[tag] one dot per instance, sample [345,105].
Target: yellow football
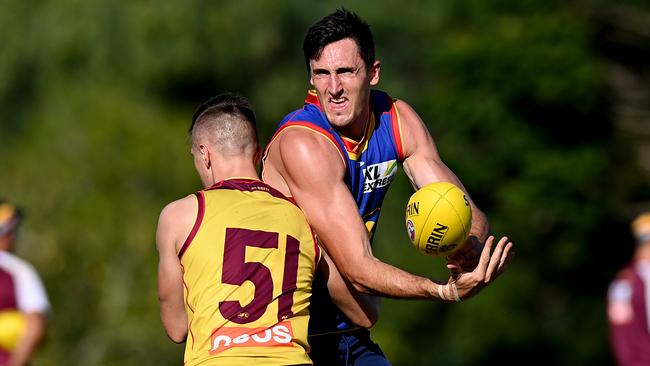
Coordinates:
[12,328]
[438,219]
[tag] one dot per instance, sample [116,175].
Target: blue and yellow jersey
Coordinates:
[371,165]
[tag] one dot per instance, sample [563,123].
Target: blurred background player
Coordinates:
[23,299]
[337,156]
[628,307]
[237,259]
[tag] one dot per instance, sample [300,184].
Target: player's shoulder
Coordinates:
[309,115]
[622,284]
[179,209]
[23,271]
[406,112]
[175,222]
[627,273]
[308,156]
[307,142]
[10,260]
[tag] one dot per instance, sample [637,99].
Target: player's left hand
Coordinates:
[464,285]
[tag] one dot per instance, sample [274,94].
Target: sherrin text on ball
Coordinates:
[438,219]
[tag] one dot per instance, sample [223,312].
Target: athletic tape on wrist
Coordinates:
[441,293]
[455,292]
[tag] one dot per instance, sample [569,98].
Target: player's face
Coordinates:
[342,82]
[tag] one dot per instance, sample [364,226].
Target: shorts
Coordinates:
[353,348]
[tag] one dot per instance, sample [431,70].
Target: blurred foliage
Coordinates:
[95,101]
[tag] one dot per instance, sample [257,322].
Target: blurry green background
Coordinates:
[542,107]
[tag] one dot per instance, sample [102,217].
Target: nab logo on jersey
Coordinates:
[379,175]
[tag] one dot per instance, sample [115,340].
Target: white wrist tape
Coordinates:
[441,293]
[454,291]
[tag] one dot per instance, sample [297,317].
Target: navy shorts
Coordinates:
[353,348]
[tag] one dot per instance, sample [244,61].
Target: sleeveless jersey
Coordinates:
[371,165]
[248,266]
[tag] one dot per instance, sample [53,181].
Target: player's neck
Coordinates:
[643,252]
[6,243]
[239,168]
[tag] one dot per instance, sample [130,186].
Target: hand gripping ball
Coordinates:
[438,219]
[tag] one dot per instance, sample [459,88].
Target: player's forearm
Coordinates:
[372,276]
[174,319]
[480,225]
[30,340]
[170,296]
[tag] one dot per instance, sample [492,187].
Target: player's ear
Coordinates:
[205,155]
[311,75]
[374,72]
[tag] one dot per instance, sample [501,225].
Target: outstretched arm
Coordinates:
[314,173]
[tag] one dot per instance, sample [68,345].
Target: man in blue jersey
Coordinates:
[337,156]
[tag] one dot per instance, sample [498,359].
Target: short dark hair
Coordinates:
[334,27]
[227,122]
[228,103]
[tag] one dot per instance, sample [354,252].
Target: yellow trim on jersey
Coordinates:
[399,126]
[286,127]
[361,146]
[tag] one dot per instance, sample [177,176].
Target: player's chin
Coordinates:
[338,117]
[338,121]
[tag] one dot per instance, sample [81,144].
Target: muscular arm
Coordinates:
[174,224]
[314,173]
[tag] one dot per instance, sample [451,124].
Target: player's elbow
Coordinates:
[369,318]
[36,323]
[177,335]
[175,324]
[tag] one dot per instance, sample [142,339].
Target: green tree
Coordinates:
[96,98]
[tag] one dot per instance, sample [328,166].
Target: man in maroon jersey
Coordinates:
[628,302]
[22,294]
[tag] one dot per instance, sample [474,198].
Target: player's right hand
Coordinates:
[490,266]
[467,257]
